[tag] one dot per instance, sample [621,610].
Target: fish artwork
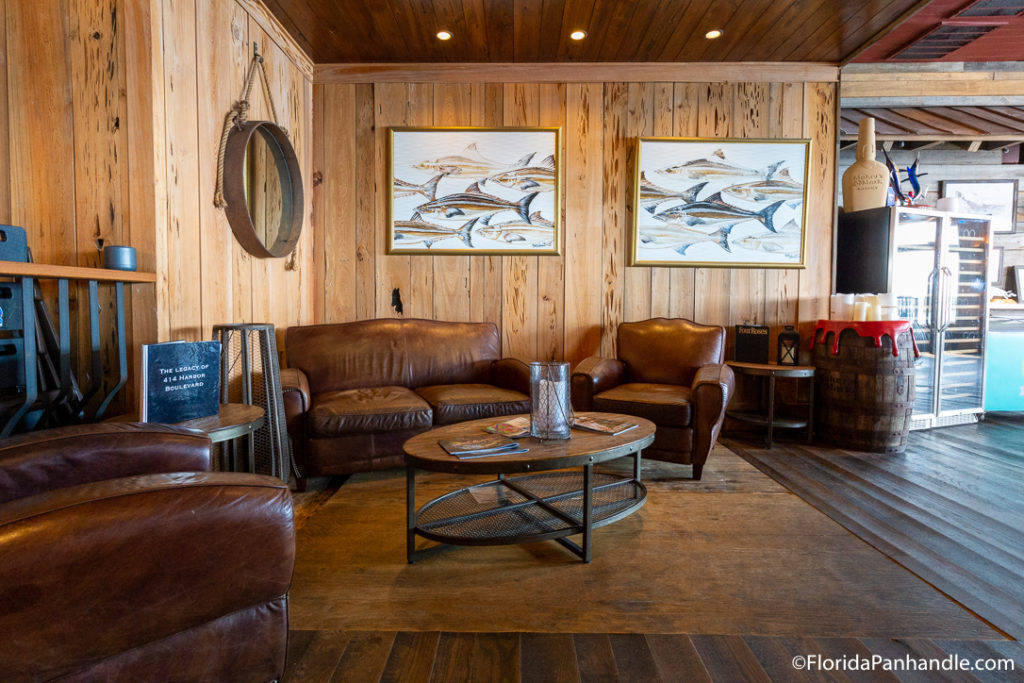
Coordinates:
[472,163]
[679,237]
[652,195]
[528,177]
[704,168]
[402,188]
[781,186]
[540,232]
[786,242]
[978,207]
[418,230]
[715,210]
[475,202]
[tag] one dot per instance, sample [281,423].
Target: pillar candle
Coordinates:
[860,311]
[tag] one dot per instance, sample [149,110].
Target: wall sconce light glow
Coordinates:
[578,35]
[712,34]
[444,35]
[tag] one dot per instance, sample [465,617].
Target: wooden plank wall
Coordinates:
[64,151]
[110,118]
[209,278]
[567,306]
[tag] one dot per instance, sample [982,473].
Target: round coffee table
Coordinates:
[542,505]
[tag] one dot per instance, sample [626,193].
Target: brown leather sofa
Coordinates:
[355,392]
[122,557]
[670,371]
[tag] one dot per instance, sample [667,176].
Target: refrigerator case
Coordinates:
[936,263]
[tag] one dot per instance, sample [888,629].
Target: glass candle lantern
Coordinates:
[789,346]
[550,408]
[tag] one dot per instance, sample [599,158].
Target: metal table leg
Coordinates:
[810,412]
[771,408]
[410,514]
[588,511]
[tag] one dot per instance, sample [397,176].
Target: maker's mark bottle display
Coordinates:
[866,182]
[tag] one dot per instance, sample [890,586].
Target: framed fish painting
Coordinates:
[733,203]
[474,191]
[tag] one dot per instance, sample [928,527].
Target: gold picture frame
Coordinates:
[720,202]
[470,191]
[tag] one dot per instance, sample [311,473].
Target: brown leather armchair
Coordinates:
[125,558]
[670,371]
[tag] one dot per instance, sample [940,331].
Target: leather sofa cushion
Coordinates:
[460,402]
[666,405]
[376,409]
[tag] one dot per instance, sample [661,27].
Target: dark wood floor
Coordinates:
[556,657]
[950,509]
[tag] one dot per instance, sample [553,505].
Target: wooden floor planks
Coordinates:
[948,509]
[432,657]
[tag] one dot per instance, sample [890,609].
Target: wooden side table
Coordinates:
[233,420]
[766,414]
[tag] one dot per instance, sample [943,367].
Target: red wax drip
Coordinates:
[875,330]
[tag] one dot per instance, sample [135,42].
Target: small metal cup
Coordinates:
[119,258]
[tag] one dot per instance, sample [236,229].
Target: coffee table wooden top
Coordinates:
[583,448]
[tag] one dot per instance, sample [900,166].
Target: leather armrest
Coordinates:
[295,387]
[57,458]
[511,373]
[97,569]
[713,388]
[592,376]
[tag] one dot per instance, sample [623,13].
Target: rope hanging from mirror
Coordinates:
[238,115]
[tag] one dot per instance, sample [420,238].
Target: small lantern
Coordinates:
[789,346]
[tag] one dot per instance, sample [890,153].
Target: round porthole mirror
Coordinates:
[263,189]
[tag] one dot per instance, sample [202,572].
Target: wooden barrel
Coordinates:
[864,395]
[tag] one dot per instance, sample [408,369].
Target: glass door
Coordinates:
[915,281]
[962,314]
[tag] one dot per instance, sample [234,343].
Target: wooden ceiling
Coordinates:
[403,31]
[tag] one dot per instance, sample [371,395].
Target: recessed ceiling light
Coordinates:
[714,33]
[444,35]
[578,35]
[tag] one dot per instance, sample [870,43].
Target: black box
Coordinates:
[752,344]
[180,381]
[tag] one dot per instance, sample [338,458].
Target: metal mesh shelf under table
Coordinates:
[529,508]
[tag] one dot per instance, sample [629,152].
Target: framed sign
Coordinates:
[731,203]
[474,191]
[996,199]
